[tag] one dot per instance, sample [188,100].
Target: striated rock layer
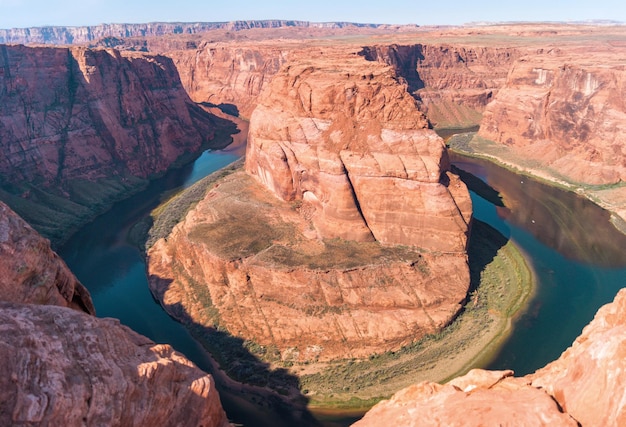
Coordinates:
[585,386]
[79,128]
[31,273]
[564,113]
[342,136]
[350,240]
[64,367]
[454,84]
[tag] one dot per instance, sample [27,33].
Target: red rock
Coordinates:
[30,272]
[66,367]
[89,126]
[352,239]
[585,386]
[62,367]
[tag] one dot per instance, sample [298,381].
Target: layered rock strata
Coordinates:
[31,273]
[350,240]
[453,83]
[81,35]
[345,139]
[565,114]
[62,366]
[80,128]
[585,386]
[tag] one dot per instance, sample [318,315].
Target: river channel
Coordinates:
[578,256]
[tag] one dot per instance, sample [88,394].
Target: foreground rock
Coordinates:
[62,366]
[350,240]
[30,272]
[585,386]
[81,128]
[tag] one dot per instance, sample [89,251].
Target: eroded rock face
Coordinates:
[585,386]
[63,366]
[31,273]
[246,261]
[343,136]
[563,113]
[453,83]
[80,127]
[351,238]
[231,74]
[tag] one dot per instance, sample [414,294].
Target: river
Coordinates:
[578,257]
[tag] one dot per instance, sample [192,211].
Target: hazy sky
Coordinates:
[28,13]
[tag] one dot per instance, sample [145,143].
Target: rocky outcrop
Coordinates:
[351,239]
[62,366]
[453,83]
[343,137]
[81,35]
[585,386]
[247,262]
[80,128]
[565,114]
[30,272]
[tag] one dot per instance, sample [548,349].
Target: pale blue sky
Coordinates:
[27,13]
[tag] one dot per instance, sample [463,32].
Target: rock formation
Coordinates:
[62,366]
[565,114]
[453,83]
[31,273]
[230,74]
[345,139]
[81,128]
[352,238]
[585,386]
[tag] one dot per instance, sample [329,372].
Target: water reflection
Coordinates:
[564,221]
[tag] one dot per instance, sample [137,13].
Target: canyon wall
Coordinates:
[564,113]
[347,234]
[81,128]
[585,386]
[63,366]
[453,83]
[227,73]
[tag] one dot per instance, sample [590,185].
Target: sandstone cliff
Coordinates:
[65,367]
[564,113]
[342,136]
[31,273]
[585,386]
[453,83]
[351,239]
[80,128]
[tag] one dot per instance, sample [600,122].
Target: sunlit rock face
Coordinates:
[346,139]
[565,113]
[346,234]
[585,386]
[63,366]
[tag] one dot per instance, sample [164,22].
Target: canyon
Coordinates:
[344,234]
[63,366]
[82,128]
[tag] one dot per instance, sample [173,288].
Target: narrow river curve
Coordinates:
[575,274]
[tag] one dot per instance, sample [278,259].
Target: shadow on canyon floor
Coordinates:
[252,393]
